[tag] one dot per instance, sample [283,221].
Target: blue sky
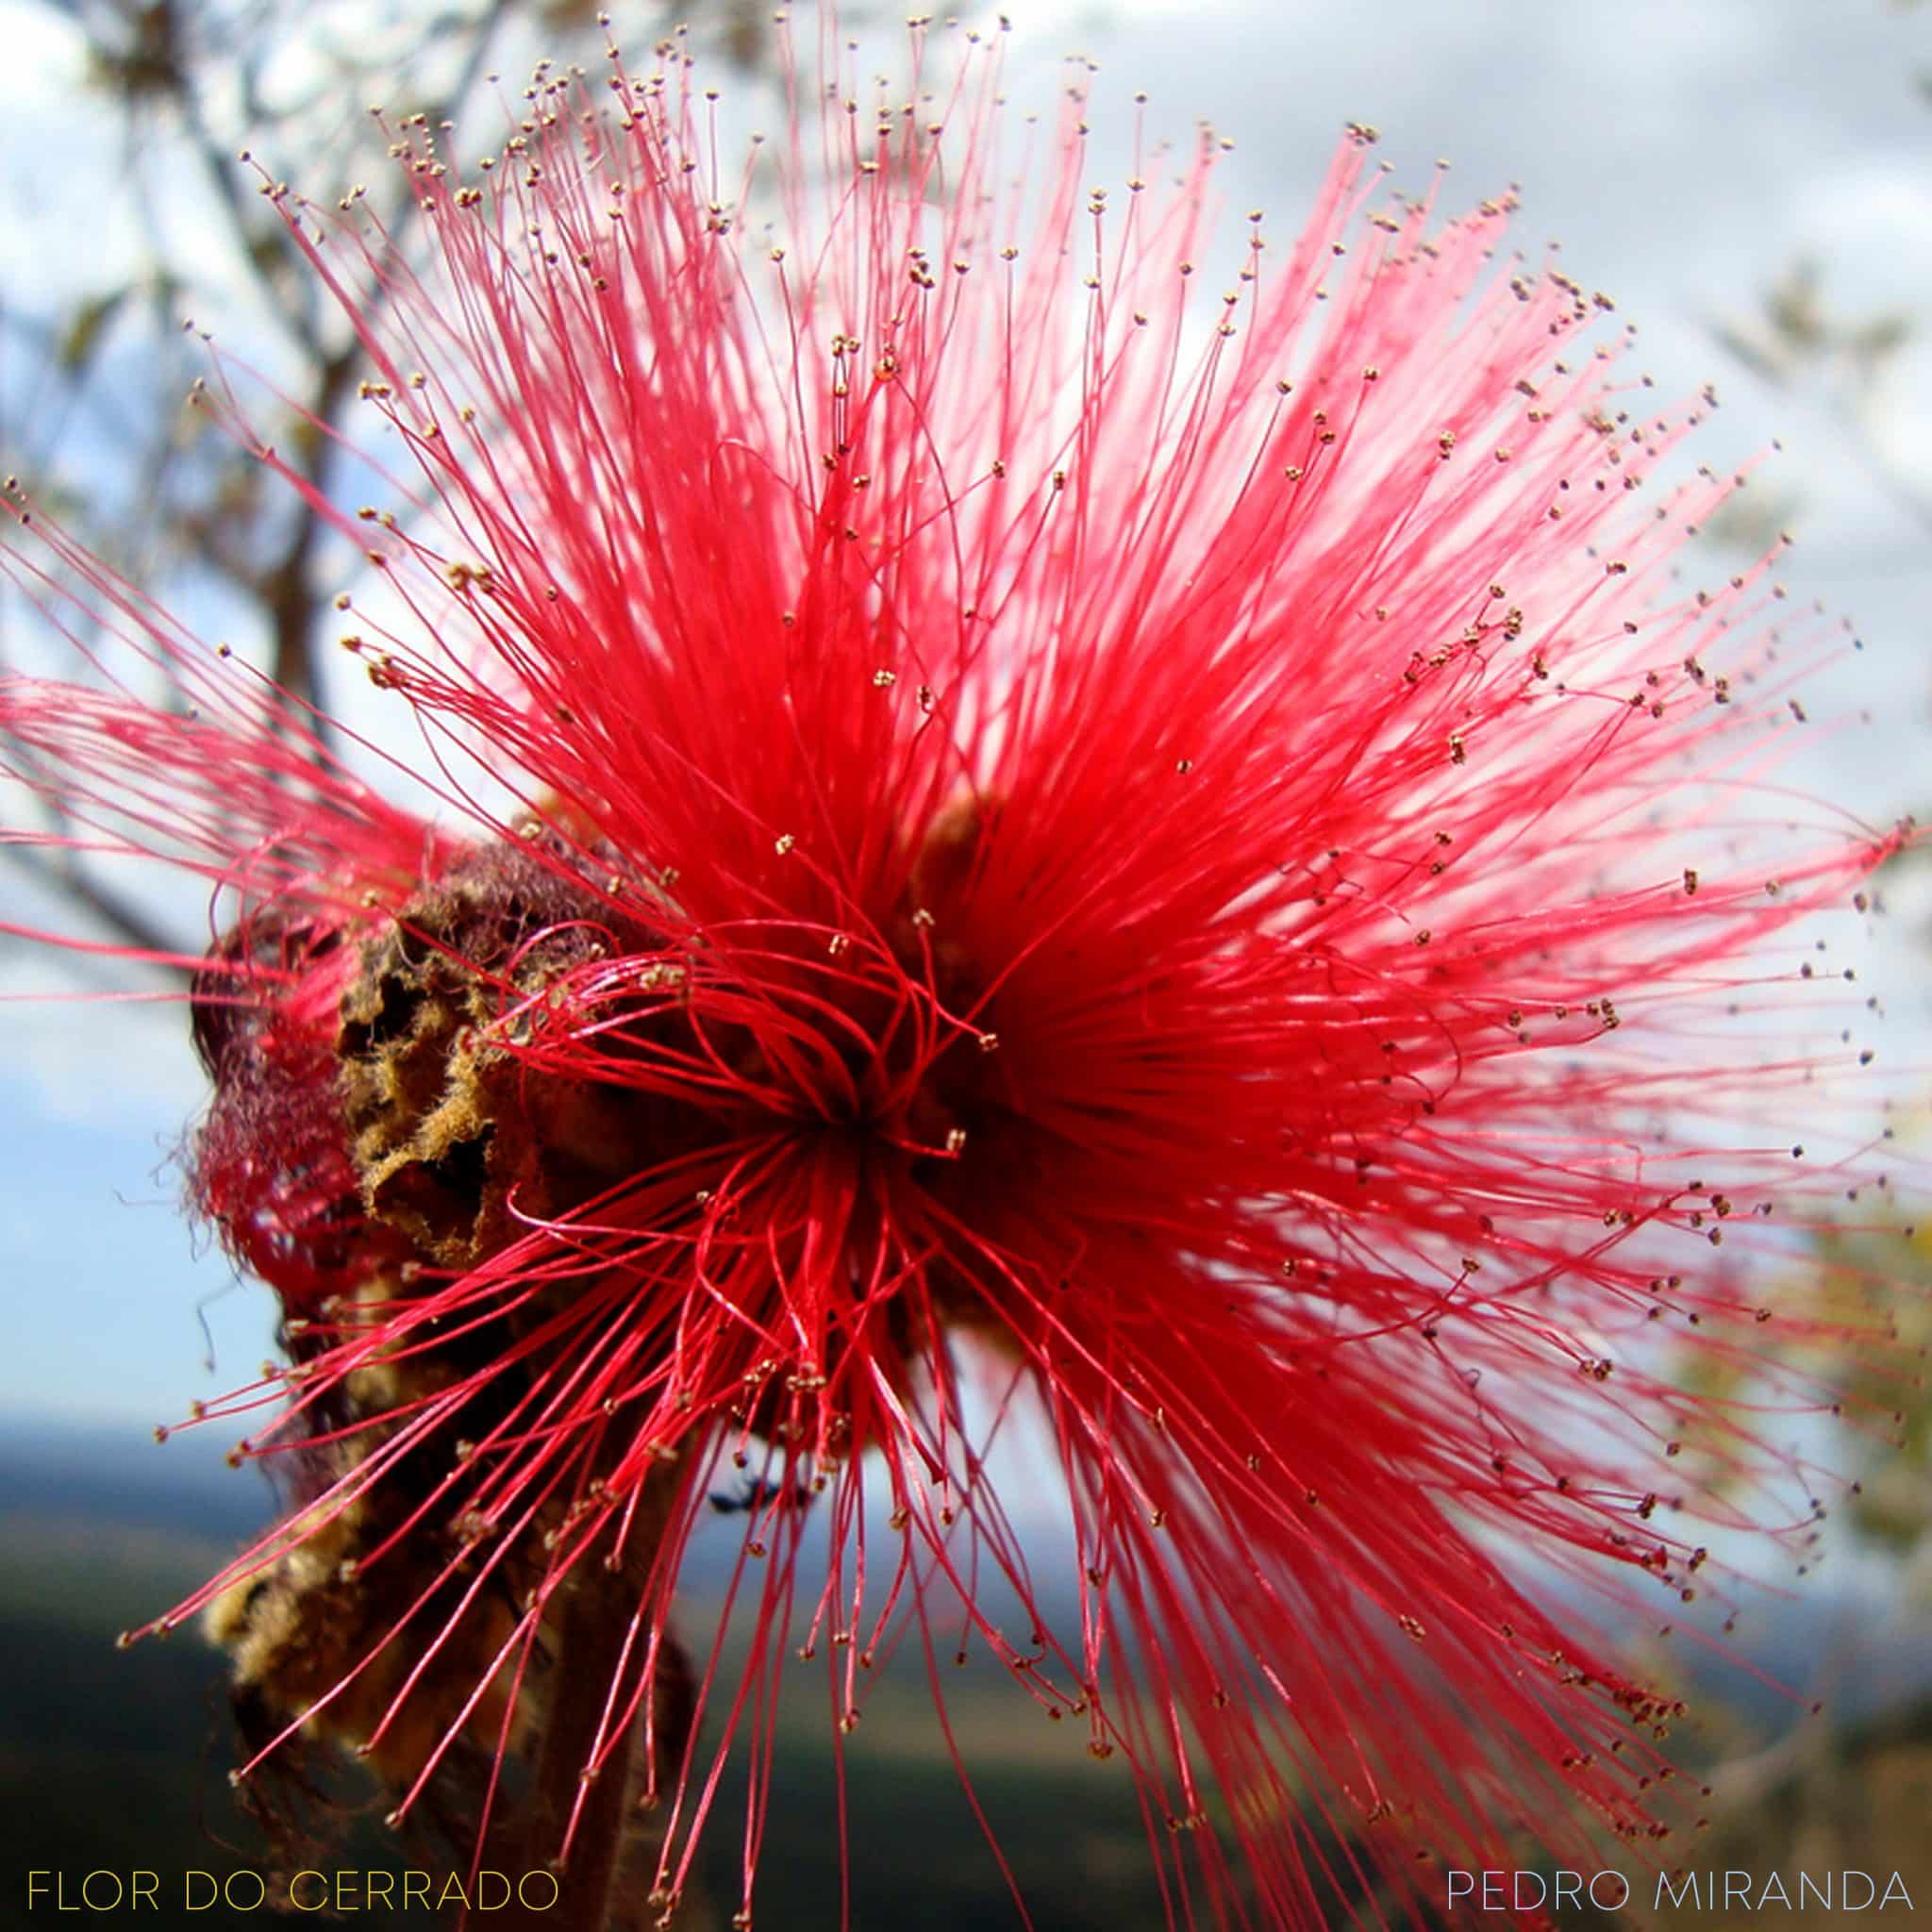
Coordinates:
[1683,152]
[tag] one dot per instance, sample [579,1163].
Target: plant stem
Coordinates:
[605,1881]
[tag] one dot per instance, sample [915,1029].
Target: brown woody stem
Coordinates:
[605,1883]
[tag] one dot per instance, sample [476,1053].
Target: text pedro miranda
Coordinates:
[247,1891]
[1697,1891]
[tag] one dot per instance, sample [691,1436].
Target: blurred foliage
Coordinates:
[1874,1280]
[1795,340]
[1794,337]
[1884,1396]
[94,420]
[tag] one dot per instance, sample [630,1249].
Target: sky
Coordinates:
[1683,155]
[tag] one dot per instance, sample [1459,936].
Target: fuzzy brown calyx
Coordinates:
[311,1640]
[448,1126]
[307,1637]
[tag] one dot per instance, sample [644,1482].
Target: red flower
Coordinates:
[1075,843]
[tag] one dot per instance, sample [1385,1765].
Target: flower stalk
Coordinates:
[607,1878]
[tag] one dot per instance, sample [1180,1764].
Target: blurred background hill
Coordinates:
[118,1760]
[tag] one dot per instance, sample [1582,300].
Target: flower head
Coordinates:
[1024,836]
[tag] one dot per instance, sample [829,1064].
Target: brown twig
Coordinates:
[608,1881]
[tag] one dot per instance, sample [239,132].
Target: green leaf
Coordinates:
[87,328]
